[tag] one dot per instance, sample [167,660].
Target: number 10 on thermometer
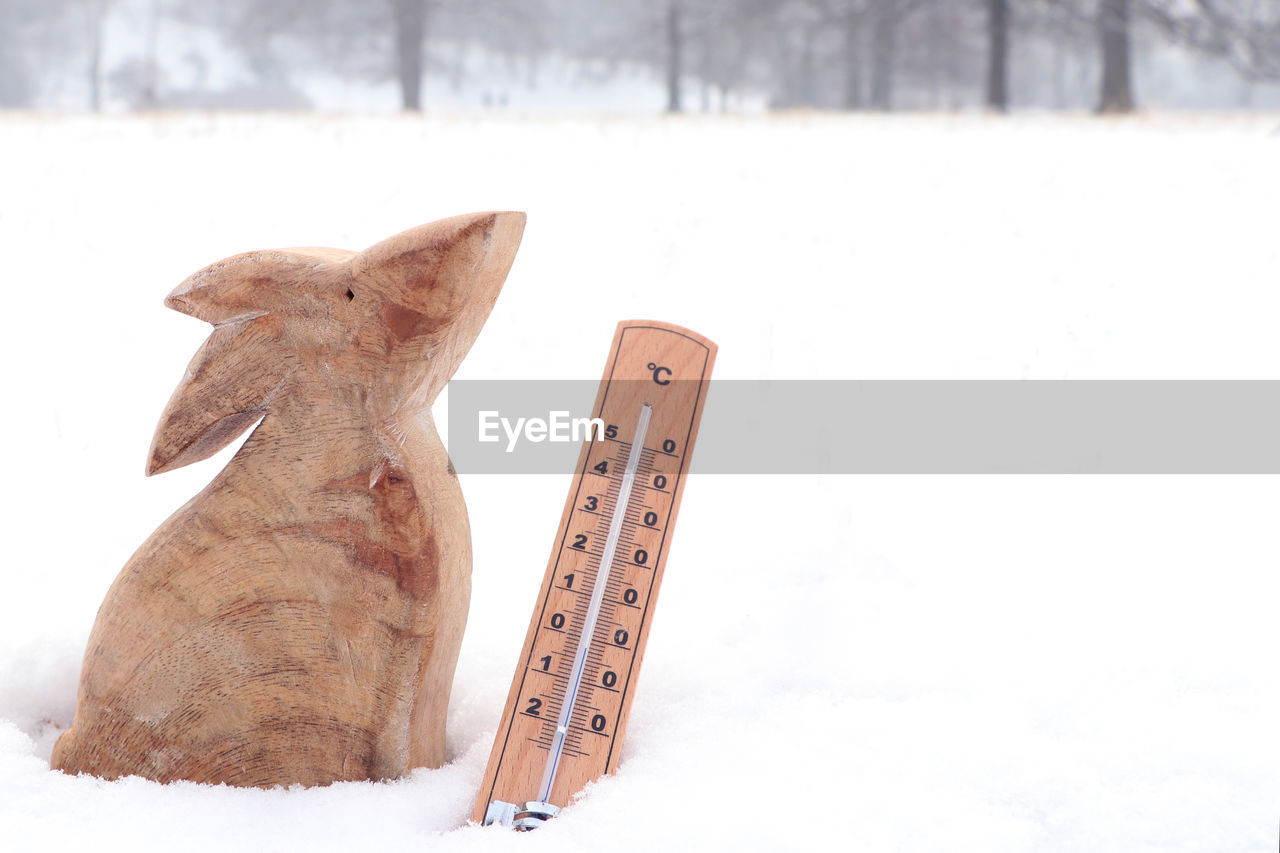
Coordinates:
[570,698]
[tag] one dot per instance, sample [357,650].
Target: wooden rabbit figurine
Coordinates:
[298,621]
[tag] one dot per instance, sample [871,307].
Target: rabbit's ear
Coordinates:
[428,276]
[255,283]
[229,384]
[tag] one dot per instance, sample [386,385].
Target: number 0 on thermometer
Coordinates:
[567,710]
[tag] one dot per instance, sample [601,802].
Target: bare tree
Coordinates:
[94,14]
[16,19]
[731,36]
[1245,34]
[884,48]
[850,19]
[151,81]
[389,38]
[853,45]
[1113,32]
[675,56]
[887,18]
[715,40]
[410,21]
[998,55]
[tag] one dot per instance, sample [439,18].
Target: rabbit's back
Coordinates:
[290,643]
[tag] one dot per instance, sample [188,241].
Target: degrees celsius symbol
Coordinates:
[567,710]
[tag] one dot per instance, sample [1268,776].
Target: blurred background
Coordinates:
[629,56]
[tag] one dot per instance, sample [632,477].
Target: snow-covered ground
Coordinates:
[893,663]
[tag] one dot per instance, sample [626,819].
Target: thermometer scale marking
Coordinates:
[618,516]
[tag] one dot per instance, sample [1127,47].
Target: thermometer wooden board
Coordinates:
[567,711]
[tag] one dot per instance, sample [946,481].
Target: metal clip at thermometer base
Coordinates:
[528,816]
[567,710]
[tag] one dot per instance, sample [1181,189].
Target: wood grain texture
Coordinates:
[298,621]
[668,368]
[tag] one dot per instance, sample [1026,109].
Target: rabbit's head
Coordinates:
[383,329]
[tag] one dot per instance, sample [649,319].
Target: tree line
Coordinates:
[838,54]
[852,53]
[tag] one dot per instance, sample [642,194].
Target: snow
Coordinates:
[870,663]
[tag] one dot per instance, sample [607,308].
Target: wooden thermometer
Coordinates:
[571,696]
